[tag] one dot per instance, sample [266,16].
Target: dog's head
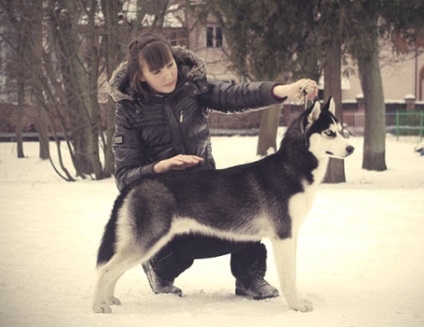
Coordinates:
[323,132]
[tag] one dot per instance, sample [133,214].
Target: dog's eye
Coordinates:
[329,133]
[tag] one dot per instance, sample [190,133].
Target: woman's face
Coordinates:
[163,80]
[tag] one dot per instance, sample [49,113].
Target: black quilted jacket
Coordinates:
[151,129]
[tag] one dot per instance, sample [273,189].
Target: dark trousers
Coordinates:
[248,259]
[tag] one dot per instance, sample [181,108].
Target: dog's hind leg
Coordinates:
[110,298]
[108,276]
[285,258]
[126,257]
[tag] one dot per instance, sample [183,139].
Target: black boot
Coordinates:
[159,285]
[258,288]
[249,267]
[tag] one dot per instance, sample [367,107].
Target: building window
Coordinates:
[213,37]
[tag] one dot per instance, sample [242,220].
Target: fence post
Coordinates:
[397,125]
[409,102]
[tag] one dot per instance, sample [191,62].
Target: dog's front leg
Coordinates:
[285,258]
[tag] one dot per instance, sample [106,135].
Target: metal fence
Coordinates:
[409,123]
[399,123]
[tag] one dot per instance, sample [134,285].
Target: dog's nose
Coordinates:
[350,149]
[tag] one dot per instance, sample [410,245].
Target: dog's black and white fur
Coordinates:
[264,199]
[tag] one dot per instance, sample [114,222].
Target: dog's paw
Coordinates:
[113,301]
[102,308]
[302,305]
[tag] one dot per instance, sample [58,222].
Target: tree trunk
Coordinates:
[83,112]
[36,78]
[113,55]
[43,134]
[268,130]
[332,73]
[95,128]
[375,118]
[19,138]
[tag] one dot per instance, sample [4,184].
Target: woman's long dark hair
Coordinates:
[154,51]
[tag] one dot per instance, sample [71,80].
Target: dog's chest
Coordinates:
[301,203]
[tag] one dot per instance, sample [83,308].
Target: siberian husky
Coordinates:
[268,198]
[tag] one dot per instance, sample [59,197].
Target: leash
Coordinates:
[301,97]
[306,101]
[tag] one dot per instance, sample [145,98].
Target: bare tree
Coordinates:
[36,44]
[113,54]
[79,72]
[16,36]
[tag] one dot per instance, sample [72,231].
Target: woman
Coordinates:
[162,100]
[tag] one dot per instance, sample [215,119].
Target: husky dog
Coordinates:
[268,198]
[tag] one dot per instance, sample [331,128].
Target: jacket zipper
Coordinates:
[181,120]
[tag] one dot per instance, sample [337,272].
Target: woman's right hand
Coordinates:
[179,162]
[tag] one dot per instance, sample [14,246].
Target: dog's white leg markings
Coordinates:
[285,258]
[285,249]
[108,276]
[110,298]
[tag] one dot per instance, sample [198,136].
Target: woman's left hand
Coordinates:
[179,162]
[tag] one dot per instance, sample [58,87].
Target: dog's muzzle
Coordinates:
[348,151]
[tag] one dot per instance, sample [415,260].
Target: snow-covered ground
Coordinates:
[360,258]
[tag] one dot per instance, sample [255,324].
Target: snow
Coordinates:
[360,257]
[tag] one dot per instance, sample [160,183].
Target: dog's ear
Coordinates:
[332,106]
[315,112]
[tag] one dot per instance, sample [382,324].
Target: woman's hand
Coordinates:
[297,89]
[179,162]
[306,87]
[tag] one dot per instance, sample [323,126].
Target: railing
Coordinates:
[400,123]
[409,123]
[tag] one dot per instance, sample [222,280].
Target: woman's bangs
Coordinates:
[156,55]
